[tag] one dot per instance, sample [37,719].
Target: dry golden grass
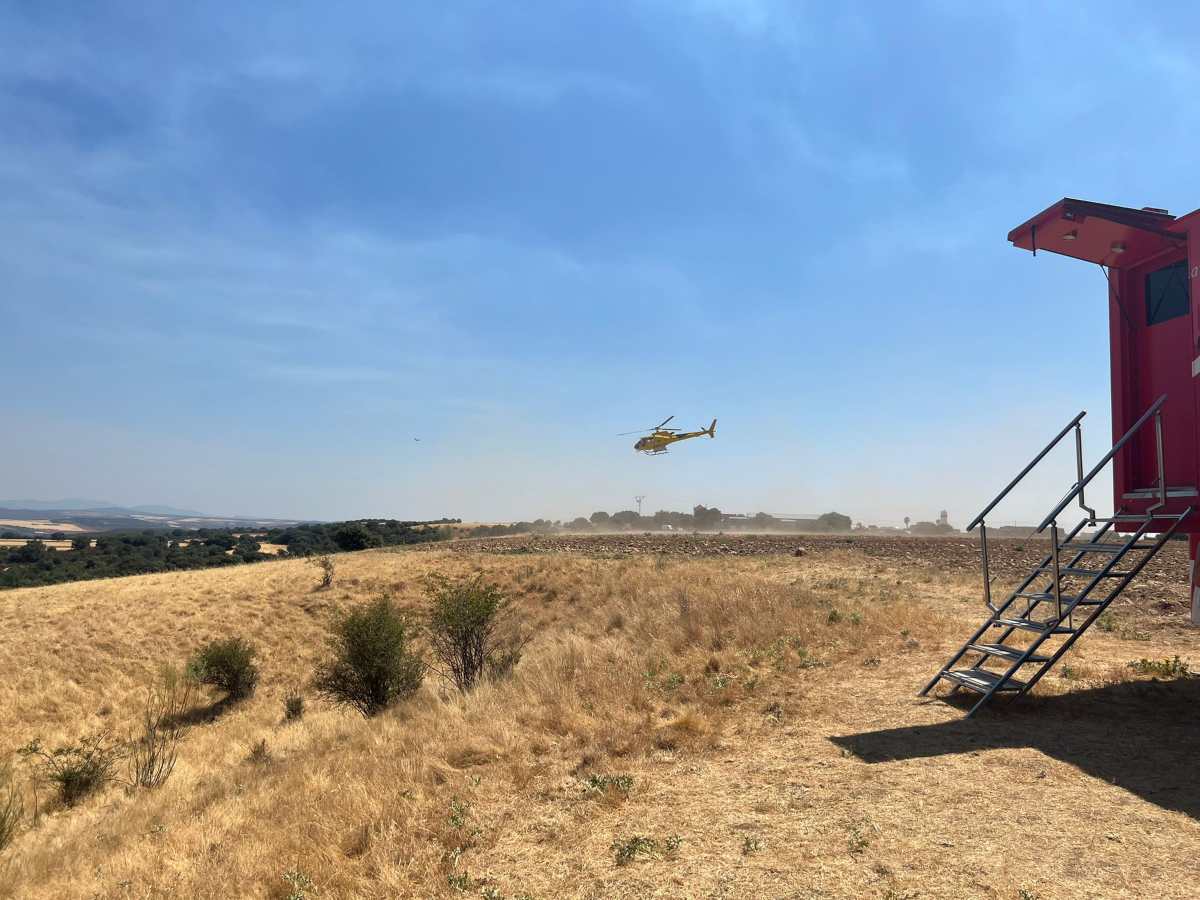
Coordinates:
[763,708]
[21,542]
[42,524]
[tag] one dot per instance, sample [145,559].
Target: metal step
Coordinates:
[1087,573]
[982,680]
[1027,625]
[1003,651]
[1088,547]
[1156,517]
[1151,493]
[1066,601]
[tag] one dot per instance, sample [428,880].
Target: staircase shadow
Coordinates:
[1142,736]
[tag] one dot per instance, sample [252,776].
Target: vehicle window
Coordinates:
[1167,293]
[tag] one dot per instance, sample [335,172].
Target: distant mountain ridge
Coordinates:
[77,505]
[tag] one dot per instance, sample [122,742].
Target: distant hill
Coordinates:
[41,520]
[77,504]
[68,503]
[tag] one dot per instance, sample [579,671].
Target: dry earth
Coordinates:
[761,704]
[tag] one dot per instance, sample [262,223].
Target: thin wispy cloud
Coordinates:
[521,229]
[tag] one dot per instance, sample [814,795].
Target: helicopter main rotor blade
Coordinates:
[664,422]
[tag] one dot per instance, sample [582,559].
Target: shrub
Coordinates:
[152,755]
[467,631]
[78,769]
[12,807]
[1165,668]
[326,565]
[226,665]
[372,666]
[293,707]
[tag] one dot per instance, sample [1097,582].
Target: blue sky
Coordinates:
[247,255]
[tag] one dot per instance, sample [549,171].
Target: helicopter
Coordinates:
[660,437]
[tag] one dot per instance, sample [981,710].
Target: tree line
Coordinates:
[113,554]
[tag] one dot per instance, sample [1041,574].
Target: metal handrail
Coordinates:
[1025,471]
[979,519]
[1155,412]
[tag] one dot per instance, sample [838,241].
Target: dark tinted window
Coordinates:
[1166,293]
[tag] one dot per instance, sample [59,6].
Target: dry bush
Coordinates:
[469,631]
[371,665]
[227,665]
[327,566]
[153,753]
[77,769]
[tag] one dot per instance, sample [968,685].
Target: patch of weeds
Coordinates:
[293,707]
[774,712]
[1107,623]
[872,662]
[1132,634]
[458,881]
[1162,668]
[625,852]
[773,654]
[855,619]
[858,840]
[805,660]
[299,885]
[260,754]
[750,845]
[458,813]
[720,680]
[602,784]
[834,617]
[1028,894]
[1069,673]
[642,847]
[673,681]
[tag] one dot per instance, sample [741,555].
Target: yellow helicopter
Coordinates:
[660,437]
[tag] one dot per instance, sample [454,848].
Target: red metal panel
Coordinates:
[1097,232]
[1146,361]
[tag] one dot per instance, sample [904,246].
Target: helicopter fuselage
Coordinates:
[658,440]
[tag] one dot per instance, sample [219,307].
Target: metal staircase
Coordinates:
[1073,584]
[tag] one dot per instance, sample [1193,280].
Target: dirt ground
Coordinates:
[694,718]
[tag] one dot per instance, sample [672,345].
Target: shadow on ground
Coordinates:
[1142,736]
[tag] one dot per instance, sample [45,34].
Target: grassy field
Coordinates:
[40,524]
[718,721]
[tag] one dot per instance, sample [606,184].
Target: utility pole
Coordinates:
[639,498]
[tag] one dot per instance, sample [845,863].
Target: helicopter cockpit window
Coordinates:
[1167,293]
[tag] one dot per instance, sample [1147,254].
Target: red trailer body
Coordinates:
[1151,259]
